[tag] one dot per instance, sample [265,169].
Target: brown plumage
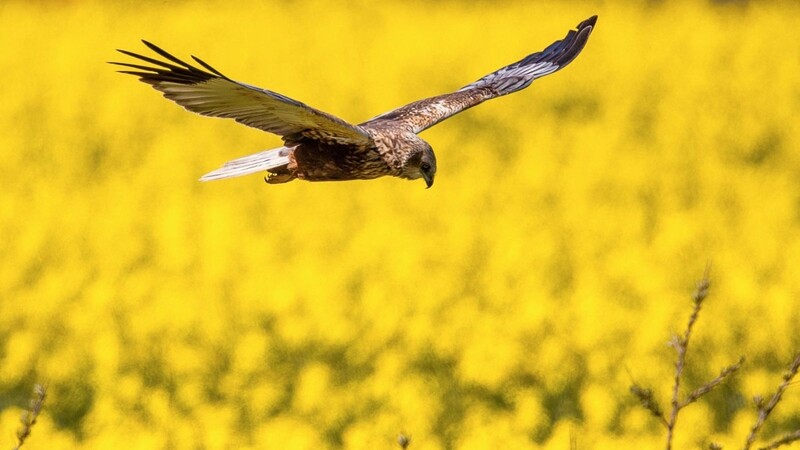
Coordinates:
[321,147]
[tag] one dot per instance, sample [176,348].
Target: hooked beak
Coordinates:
[428,180]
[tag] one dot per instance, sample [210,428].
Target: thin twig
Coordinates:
[764,410]
[785,440]
[681,345]
[29,417]
[649,402]
[708,387]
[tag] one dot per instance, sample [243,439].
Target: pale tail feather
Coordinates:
[258,162]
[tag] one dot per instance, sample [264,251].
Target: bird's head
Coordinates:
[421,161]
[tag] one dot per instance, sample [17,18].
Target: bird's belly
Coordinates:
[331,163]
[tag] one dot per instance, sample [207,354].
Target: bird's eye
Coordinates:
[425,167]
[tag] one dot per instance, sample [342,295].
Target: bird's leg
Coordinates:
[277,178]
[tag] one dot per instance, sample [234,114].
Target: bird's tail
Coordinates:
[257,162]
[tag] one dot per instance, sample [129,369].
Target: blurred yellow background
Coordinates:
[510,306]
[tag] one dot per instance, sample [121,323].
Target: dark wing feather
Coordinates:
[210,93]
[425,113]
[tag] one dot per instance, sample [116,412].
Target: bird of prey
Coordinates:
[318,146]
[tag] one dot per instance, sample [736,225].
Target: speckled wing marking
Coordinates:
[425,113]
[210,93]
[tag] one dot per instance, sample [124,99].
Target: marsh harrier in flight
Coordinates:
[321,147]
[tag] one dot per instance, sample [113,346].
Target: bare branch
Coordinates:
[764,410]
[29,417]
[785,440]
[681,345]
[708,387]
[649,402]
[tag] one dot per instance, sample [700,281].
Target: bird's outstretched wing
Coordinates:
[425,113]
[210,93]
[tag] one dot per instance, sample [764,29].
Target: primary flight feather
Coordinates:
[321,147]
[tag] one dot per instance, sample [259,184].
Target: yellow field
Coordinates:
[511,306]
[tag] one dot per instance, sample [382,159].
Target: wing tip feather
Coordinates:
[172,70]
[208,67]
[590,22]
